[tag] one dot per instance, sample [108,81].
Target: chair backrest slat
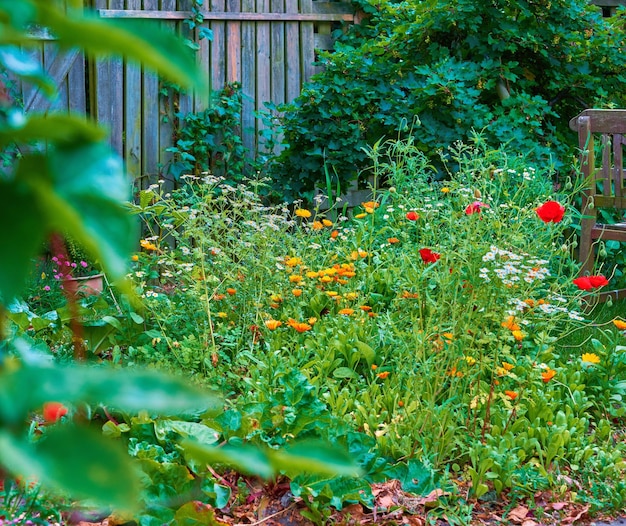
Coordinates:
[604,174]
[618,164]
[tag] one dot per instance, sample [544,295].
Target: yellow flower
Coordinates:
[317,225]
[147,245]
[302,212]
[470,360]
[346,312]
[590,357]
[135,257]
[273,324]
[312,274]
[448,336]
[621,325]
[295,278]
[222,315]
[445,190]
[351,295]
[370,204]
[293,261]
[360,216]
[518,335]
[327,222]
[508,366]
[297,292]
[312,321]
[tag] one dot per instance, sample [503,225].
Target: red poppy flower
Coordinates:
[591,282]
[53,411]
[551,212]
[598,281]
[475,207]
[412,216]
[428,256]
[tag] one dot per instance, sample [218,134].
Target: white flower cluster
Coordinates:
[511,268]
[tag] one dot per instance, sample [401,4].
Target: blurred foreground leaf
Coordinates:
[75,460]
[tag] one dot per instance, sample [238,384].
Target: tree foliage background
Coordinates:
[517,70]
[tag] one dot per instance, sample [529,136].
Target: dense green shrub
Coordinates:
[517,70]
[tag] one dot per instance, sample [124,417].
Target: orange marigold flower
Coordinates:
[448,336]
[273,324]
[334,234]
[296,292]
[299,325]
[530,303]
[317,225]
[400,403]
[231,291]
[511,394]
[393,240]
[510,324]
[365,308]
[135,257]
[295,278]
[383,375]
[53,412]
[621,325]
[507,366]
[346,312]
[218,297]
[406,294]
[312,320]
[276,298]
[370,204]
[548,374]
[518,335]
[327,222]
[312,274]
[374,367]
[302,212]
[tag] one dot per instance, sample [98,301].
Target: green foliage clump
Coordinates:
[516,70]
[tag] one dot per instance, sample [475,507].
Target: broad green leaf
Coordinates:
[86,464]
[14,60]
[75,460]
[344,372]
[199,432]
[245,458]
[366,352]
[138,40]
[128,390]
[314,456]
[21,237]
[81,190]
[53,128]
[220,494]
[196,514]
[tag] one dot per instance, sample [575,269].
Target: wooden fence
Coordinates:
[268,46]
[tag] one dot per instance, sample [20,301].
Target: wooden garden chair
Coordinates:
[605,188]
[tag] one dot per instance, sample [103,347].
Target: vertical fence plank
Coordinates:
[218,60]
[166,112]
[248,79]
[233,44]
[277,54]
[77,92]
[292,55]
[116,86]
[150,110]
[132,111]
[307,36]
[263,72]
[185,100]
[102,100]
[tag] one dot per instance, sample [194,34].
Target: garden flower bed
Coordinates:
[436,333]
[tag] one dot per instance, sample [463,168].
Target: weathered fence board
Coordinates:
[268,46]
